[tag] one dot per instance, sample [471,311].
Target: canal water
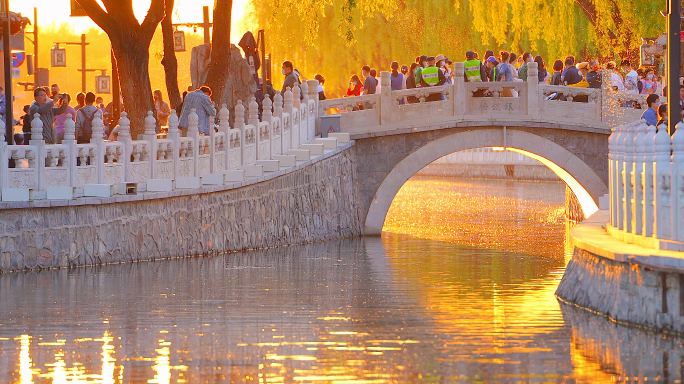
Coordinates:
[459,289]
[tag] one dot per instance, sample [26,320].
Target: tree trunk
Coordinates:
[132,60]
[220,50]
[169,61]
[130,41]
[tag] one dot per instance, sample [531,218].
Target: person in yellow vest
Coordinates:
[431,77]
[474,71]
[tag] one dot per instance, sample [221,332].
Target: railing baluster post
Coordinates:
[459,91]
[677,183]
[532,90]
[386,104]
[662,185]
[38,142]
[193,132]
[125,139]
[647,181]
[636,175]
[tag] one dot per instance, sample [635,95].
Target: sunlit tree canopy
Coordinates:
[336,37]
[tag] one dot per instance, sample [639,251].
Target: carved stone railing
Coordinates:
[646,185]
[484,101]
[38,171]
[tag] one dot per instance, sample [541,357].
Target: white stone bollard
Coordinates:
[647,182]
[267,114]
[125,139]
[313,95]
[387,105]
[193,133]
[612,150]
[627,181]
[636,174]
[678,183]
[532,89]
[662,225]
[224,120]
[253,113]
[174,136]
[288,109]
[36,129]
[4,165]
[617,175]
[97,138]
[150,136]
[239,115]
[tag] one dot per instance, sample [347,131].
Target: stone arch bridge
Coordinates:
[565,128]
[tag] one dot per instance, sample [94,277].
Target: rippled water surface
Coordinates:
[459,289]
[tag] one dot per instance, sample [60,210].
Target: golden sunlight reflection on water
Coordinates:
[459,289]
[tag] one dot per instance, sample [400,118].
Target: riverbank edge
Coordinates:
[629,284]
[316,201]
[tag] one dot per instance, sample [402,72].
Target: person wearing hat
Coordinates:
[490,68]
[431,77]
[583,69]
[447,71]
[474,69]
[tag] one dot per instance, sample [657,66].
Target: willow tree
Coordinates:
[336,37]
[130,41]
[220,49]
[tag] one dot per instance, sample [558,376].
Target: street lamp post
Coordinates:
[674,19]
[9,118]
[205,24]
[83,44]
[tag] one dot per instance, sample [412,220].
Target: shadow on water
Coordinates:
[380,310]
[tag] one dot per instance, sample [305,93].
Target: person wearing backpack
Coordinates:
[84,119]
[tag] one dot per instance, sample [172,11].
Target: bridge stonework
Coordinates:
[385,160]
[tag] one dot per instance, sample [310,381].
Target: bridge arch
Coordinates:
[579,176]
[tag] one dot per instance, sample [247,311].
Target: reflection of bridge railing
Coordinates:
[646,171]
[485,101]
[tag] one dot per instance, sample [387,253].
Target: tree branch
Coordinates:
[154,15]
[98,15]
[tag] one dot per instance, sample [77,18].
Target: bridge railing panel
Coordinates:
[357,112]
[496,99]
[420,103]
[57,172]
[569,104]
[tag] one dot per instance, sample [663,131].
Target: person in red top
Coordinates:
[355,87]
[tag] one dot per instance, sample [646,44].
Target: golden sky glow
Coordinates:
[52,13]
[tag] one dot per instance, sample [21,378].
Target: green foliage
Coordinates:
[336,37]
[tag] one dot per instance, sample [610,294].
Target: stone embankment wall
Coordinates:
[625,292]
[313,203]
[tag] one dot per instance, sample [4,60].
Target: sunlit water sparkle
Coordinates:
[460,289]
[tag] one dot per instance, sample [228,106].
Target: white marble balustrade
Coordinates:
[39,171]
[466,101]
[646,185]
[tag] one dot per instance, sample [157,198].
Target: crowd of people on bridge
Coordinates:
[428,71]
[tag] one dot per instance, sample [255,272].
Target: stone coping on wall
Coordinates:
[386,130]
[176,193]
[592,236]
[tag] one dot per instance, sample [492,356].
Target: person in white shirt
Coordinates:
[615,79]
[631,77]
